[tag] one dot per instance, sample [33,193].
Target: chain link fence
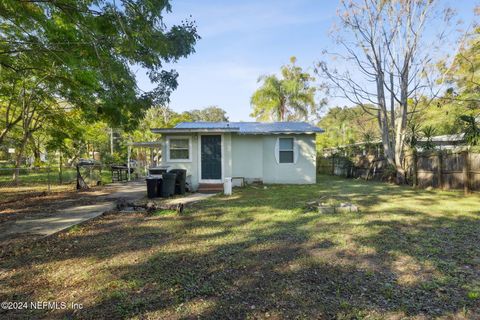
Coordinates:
[17,183]
[43,177]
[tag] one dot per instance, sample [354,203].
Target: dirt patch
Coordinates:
[44,204]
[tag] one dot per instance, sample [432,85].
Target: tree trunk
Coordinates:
[60,169]
[8,127]
[282,111]
[18,158]
[401,125]
[3,133]
[36,151]
[383,120]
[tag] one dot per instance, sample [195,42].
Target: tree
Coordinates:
[464,94]
[385,46]
[345,126]
[463,74]
[155,117]
[210,114]
[471,130]
[291,97]
[428,133]
[10,102]
[83,52]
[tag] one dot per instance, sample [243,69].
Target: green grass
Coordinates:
[258,254]
[33,182]
[38,177]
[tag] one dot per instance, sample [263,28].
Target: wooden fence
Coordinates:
[439,169]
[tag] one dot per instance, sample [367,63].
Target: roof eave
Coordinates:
[184,130]
[280,132]
[237,130]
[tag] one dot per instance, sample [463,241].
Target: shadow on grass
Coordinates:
[257,255]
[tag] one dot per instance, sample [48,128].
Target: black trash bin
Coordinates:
[168,184]
[180,181]
[151,187]
[159,187]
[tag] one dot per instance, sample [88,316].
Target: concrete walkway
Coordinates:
[65,218]
[191,198]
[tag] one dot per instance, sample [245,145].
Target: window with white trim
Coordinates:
[286,150]
[178,149]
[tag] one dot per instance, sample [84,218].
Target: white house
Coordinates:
[278,152]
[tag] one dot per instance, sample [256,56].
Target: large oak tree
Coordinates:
[82,52]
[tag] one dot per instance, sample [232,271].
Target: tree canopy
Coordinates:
[209,114]
[346,125]
[66,66]
[83,51]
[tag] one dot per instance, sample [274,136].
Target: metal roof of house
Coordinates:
[243,127]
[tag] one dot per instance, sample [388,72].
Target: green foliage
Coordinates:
[442,115]
[428,133]
[345,126]
[289,98]
[83,51]
[66,70]
[389,173]
[471,130]
[116,158]
[463,74]
[413,134]
[458,110]
[473,295]
[209,114]
[164,117]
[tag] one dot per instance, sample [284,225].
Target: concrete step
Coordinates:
[210,187]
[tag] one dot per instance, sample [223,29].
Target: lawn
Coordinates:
[258,254]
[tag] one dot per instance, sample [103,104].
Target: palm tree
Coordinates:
[290,98]
[428,133]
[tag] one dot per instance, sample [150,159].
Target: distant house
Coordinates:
[443,142]
[279,152]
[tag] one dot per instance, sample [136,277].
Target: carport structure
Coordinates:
[148,155]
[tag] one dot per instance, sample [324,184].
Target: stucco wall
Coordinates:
[303,171]
[247,156]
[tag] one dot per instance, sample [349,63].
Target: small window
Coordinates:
[179,149]
[285,150]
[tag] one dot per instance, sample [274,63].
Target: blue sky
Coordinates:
[242,40]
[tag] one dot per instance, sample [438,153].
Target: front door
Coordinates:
[211,157]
